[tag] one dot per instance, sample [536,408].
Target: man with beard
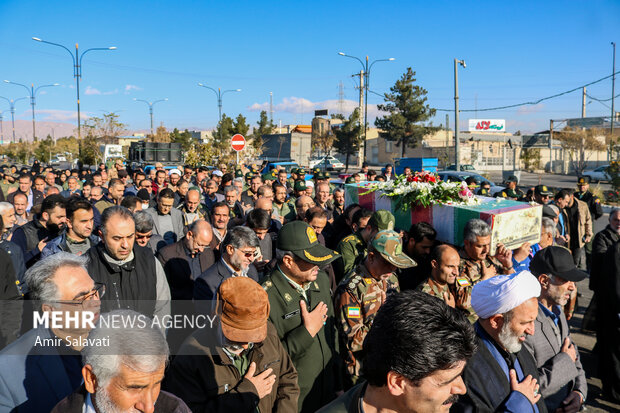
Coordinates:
[191,207]
[502,375]
[238,250]
[235,209]
[444,270]
[219,219]
[126,375]
[25,187]
[562,378]
[78,237]
[400,380]
[421,239]
[248,197]
[132,275]
[284,208]
[33,236]
[35,376]
[542,194]
[114,196]
[20,202]
[363,292]
[338,202]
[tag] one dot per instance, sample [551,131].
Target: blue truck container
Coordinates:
[416,165]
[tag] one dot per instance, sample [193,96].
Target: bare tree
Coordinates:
[580,145]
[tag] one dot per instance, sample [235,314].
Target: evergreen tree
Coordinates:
[348,138]
[265,127]
[407,110]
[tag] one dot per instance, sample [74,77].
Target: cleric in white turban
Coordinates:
[502,293]
[502,376]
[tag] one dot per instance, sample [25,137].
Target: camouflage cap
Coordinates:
[390,246]
[542,190]
[294,170]
[249,175]
[382,220]
[299,186]
[300,239]
[301,171]
[583,180]
[238,173]
[316,170]
[269,177]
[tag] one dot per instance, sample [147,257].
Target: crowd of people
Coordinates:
[320,304]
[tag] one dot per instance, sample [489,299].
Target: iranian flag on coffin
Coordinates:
[512,222]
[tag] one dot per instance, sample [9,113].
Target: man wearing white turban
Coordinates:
[502,375]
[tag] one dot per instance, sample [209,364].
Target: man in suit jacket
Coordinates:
[36,372]
[562,378]
[25,187]
[239,249]
[186,259]
[167,219]
[502,375]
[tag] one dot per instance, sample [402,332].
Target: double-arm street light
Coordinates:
[151,104]
[366,68]
[457,158]
[32,92]
[77,70]
[12,108]
[219,93]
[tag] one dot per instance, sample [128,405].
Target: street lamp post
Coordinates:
[613,84]
[12,106]
[151,104]
[77,71]
[32,93]
[457,158]
[366,68]
[1,133]
[219,93]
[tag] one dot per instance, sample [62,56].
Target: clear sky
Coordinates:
[515,52]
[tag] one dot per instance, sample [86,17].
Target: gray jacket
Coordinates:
[559,374]
[177,222]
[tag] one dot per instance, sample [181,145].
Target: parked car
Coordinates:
[287,166]
[464,167]
[454,176]
[598,174]
[328,163]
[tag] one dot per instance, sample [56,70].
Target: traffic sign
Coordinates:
[237,142]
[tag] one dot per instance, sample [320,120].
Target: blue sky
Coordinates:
[515,52]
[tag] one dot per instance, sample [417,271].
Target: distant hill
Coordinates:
[23,129]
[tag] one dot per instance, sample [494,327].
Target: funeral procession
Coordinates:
[294,207]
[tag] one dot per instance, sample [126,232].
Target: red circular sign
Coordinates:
[237,142]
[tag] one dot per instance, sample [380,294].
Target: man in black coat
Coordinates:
[502,375]
[187,258]
[25,187]
[239,249]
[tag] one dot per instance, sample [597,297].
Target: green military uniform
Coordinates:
[470,273]
[512,193]
[594,203]
[287,210]
[315,358]
[353,251]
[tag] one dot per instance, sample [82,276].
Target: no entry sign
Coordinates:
[237,142]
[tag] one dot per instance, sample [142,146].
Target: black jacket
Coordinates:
[601,243]
[178,268]
[28,236]
[37,196]
[206,285]
[132,285]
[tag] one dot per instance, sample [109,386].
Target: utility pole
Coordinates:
[271,107]
[1,135]
[583,103]
[457,160]
[361,151]
[341,98]
[613,84]
[550,146]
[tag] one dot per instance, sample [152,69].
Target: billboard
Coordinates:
[487,125]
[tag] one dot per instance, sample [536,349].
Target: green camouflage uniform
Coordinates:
[357,300]
[512,193]
[435,289]
[470,273]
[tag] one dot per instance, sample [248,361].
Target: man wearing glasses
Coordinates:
[239,249]
[44,365]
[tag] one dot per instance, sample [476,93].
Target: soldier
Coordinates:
[511,191]
[542,194]
[476,263]
[583,194]
[360,295]
[353,248]
[485,189]
[445,262]
[303,314]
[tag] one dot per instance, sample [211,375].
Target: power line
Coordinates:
[532,102]
[603,100]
